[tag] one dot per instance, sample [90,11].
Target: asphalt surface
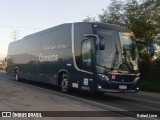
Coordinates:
[31,96]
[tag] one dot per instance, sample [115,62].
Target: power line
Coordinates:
[20,27]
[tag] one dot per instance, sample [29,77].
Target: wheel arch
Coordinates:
[16,70]
[60,73]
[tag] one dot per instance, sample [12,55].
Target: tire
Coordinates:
[64,83]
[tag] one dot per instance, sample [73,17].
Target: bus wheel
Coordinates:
[64,83]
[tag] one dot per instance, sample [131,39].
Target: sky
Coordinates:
[30,16]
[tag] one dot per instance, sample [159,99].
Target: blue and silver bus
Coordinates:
[84,55]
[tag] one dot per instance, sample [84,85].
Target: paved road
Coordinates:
[26,96]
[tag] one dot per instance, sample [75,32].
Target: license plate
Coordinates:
[122,87]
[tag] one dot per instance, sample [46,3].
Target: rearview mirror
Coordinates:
[149,45]
[151,49]
[101,45]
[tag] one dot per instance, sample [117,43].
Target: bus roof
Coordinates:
[98,24]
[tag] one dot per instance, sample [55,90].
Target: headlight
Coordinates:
[103,77]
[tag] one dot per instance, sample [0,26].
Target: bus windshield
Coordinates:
[120,51]
[129,50]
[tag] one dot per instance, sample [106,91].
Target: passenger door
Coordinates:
[87,56]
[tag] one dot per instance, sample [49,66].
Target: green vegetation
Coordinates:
[148,85]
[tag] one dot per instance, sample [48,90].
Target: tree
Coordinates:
[141,18]
[114,14]
[89,19]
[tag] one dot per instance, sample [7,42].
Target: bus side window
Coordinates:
[86,55]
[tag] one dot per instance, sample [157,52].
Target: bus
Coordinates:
[85,55]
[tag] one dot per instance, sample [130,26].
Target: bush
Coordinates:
[148,85]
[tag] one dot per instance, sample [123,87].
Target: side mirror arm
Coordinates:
[93,35]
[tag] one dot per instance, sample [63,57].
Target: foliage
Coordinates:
[89,19]
[141,18]
[114,14]
[149,85]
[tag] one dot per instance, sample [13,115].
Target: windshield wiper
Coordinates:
[115,58]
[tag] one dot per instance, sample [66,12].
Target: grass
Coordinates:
[148,85]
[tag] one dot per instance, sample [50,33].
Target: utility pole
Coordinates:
[15,35]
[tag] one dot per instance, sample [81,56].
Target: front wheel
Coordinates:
[64,83]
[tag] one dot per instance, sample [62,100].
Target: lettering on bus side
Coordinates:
[51,57]
[53,47]
[46,58]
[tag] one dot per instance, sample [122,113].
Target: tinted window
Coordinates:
[109,57]
[86,55]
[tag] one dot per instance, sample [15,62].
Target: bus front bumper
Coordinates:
[118,91]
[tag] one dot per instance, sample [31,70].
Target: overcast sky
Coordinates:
[29,16]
